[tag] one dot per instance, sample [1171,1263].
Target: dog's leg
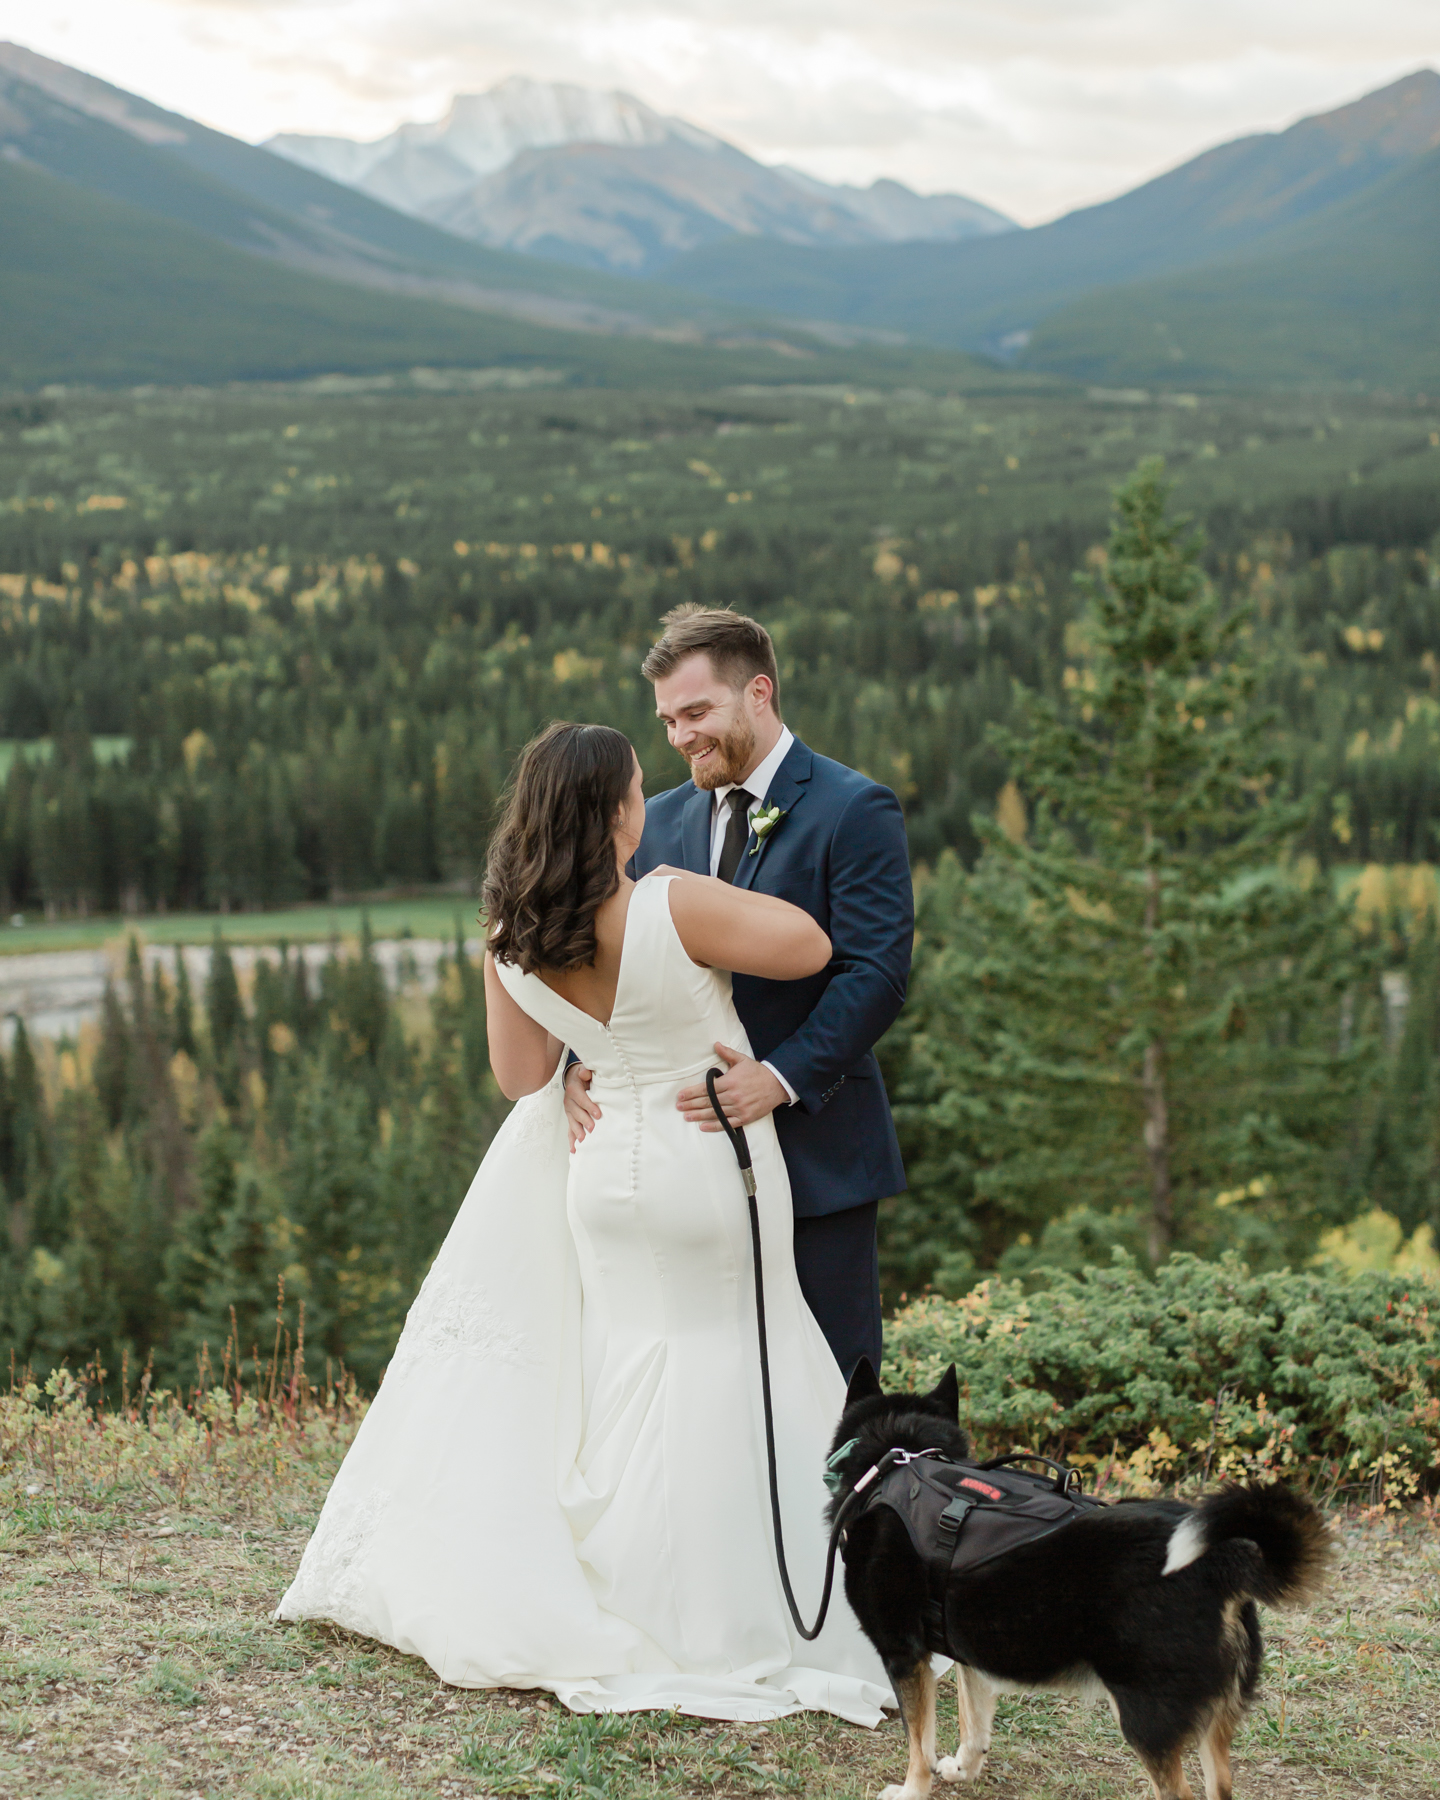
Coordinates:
[1215,1754]
[916,1693]
[1158,1734]
[977,1710]
[1167,1775]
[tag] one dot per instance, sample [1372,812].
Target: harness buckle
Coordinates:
[952,1519]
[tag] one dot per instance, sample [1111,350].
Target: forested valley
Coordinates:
[275,646]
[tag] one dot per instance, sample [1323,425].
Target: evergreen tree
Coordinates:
[270,997]
[27,1104]
[161,1022]
[229,1274]
[183,1030]
[226,1016]
[13,1220]
[112,1059]
[356,998]
[74,1297]
[30,1184]
[7,1129]
[189,1262]
[1130,1014]
[303,1011]
[353,1299]
[1403,1175]
[135,985]
[134,1254]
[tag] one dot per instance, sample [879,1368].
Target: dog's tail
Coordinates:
[1286,1531]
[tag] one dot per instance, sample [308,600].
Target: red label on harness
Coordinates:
[981,1487]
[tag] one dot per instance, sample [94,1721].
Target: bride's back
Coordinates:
[592,987]
[666,1012]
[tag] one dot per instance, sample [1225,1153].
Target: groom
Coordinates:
[763,811]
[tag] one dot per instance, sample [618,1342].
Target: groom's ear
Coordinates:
[864,1383]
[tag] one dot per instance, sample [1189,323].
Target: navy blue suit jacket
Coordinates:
[839,852]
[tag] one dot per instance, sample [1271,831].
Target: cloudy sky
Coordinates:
[1032,105]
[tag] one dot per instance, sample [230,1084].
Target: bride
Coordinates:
[562,1481]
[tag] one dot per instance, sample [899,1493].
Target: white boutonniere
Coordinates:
[763,821]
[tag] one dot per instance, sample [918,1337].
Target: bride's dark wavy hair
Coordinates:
[551,863]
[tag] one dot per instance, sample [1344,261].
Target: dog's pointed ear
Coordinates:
[946,1393]
[865,1384]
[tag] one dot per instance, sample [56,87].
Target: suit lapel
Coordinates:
[695,833]
[787,791]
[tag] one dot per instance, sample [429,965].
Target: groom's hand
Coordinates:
[581,1112]
[747,1091]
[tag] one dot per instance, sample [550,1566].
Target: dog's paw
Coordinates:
[964,1765]
[899,1792]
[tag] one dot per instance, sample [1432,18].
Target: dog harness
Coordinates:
[962,1515]
[936,1516]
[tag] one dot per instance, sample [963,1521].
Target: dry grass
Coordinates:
[138,1657]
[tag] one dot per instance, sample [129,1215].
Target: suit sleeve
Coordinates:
[872,931]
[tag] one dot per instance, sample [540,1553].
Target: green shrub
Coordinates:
[1203,1370]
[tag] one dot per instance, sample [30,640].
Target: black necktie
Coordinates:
[736,833]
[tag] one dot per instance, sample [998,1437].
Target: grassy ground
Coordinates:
[427,916]
[138,1657]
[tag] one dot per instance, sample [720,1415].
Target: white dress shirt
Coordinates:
[757,785]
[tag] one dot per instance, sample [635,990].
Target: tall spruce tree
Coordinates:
[1403,1168]
[190,1260]
[1126,1024]
[183,1029]
[328,1187]
[225,1013]
[225,1265]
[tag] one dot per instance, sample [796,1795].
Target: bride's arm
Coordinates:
[731,928]
[522,1052]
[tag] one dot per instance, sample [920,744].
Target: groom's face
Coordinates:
[709,722]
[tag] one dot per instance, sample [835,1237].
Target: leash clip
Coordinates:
[892,1459]
[902,1457]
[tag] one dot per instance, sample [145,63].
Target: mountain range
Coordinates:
[115,144]
[992,294]
[599,178]
[139,245]
[1349,297]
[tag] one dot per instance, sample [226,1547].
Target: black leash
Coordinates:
[736,1135]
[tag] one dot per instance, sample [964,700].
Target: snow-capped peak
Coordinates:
[484,132]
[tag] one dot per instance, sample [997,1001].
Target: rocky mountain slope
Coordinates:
[1347,298]
[990,294]
[62,121]
[601,179]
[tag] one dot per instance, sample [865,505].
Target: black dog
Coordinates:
[1150,1602]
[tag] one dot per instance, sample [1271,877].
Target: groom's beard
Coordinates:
[730,761]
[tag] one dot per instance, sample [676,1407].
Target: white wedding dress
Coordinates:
[562,1481]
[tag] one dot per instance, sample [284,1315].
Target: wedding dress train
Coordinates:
[562,1481]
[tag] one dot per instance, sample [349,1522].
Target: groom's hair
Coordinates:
[739,648]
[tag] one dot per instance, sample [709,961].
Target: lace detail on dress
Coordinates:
[536,1123]
[331,1581]
[448,1318]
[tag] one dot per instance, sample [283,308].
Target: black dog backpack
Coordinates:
[962,1515]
